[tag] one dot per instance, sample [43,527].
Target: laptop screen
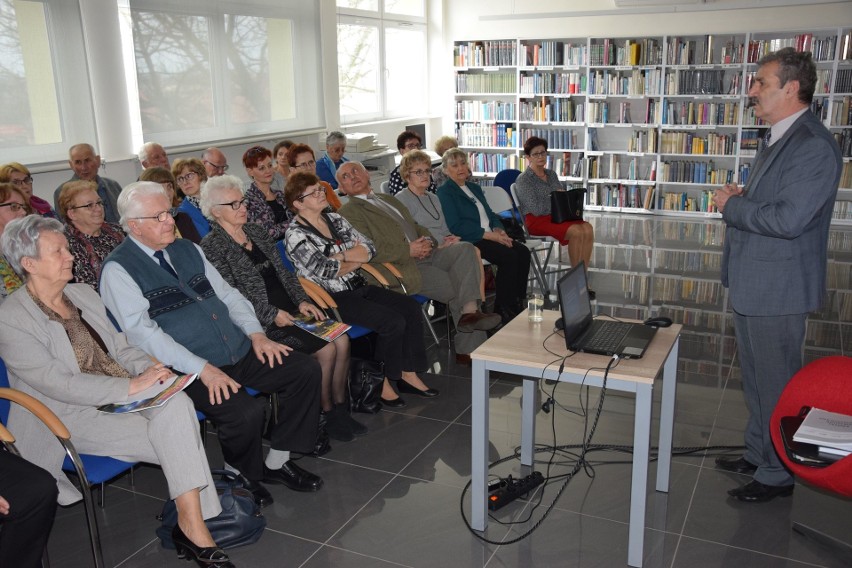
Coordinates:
[574,302]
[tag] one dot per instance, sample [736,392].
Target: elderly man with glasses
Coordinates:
[215,162]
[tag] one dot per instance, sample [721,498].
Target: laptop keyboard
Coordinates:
[608,336]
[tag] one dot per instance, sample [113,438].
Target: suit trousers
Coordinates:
[513,269]
[240,419]
[31,493]
[770,351]
[396,319]
[451,276]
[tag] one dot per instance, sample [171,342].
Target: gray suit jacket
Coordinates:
[41,363]
[774,259]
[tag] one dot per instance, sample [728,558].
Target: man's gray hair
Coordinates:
[213,188]
[128,200]
[143,151]
[334,137]
[21,236]
[358,165]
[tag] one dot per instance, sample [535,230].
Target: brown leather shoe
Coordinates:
[477,321]
[462,359]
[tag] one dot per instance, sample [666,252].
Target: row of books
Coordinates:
[823,81]
[552,109]
[697,319]
[491,135]
[821,48]
[563,83]
[844,140]
[632,82]
[647,51]
[495,53]
[643,141]
[680,171]
[486,83]
[841,112]
[491,163]
[846,175]
[681,201]
[702,82]
[705,234]
[750,138]
[687,290]
[485,110]
[551,53]
[842,81]
[842,211]
[685,52]
[620,195]
[680,142]
[839,276]
[699,113]
[688,261]
[615,167]
[557,138]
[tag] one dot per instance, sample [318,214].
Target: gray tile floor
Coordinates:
[392,498]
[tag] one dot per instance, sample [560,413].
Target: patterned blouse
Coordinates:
[534,193]
[11,281]
[310,251]
[89,252]
[260,213]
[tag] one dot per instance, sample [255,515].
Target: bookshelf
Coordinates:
[648,124]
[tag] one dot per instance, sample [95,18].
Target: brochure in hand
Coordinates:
[327,329]
[152,397]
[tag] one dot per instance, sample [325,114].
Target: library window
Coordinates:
[381,58]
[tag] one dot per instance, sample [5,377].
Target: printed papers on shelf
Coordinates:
[152,397]
[831,431]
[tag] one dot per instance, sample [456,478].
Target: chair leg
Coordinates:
[89,507]
[425,309]
[102,498]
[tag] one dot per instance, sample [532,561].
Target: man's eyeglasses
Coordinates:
[235,204]
[421,173]
[189,176]
[89,206]
[310,164]
[541,154]
[15,207]
[23,181]
[223,168]
[314,193]
[162,215]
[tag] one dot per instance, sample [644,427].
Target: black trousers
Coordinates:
[513,269]
[31,493]
[396,319]
[240,419]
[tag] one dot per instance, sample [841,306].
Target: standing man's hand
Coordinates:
[724,193]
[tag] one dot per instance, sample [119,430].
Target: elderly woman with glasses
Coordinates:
[335,145]
[184,227]
[13,205]
[301,158]
[534,187]
[406,142]
[266,205]
[18,175]
[248,260]
[90,237]
[190,174]
[61,348]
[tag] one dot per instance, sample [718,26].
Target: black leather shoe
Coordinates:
[322,446]
[402,386]
[210,557]
[293,477]
[262,496]
[735,465]
[756,492]
[395,403]
[592,294]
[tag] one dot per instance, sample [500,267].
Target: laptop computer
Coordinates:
[586,334]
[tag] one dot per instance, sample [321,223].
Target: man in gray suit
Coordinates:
[774,261]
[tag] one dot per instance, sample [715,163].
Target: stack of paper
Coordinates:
[831,431]
[360,142]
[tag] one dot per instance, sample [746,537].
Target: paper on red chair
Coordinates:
[829,430]
[152,397]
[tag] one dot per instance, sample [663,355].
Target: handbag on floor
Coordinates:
[240,522]
[567,205]
[365,385]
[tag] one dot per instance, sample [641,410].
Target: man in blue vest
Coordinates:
[174,305]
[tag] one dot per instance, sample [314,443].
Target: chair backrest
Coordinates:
[513,193]
[506,178]
[4,404]
[498,200]
[383,187]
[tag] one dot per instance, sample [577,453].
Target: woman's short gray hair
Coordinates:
[452,157]
[21,236]
[213,188]
[334,137]
[128,200]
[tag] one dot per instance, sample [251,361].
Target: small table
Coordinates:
[518,349]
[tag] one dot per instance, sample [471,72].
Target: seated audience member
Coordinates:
[152,155]
[533,187]
[333,158]
[60,347]
[326,249]
[442,144]
[469,216]
[174,305]
[85,164]
[13,205]
[190,174]
[405,142]
[184,226]
[18,175]
[247,259]
[282,166]
[301,159]
[266,206]
[444,270]
[215,162]
[27,509]
[90,238]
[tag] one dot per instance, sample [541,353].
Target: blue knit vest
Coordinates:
[188,310]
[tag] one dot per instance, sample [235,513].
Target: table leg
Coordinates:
[479,446]
[530,404]
[639,485]
[667,417]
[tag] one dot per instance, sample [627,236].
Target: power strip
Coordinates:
[513,489]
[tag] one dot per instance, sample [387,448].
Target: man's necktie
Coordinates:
[165,264]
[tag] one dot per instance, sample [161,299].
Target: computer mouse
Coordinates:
[659,321]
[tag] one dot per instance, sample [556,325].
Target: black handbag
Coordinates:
[365,385]
[240,522]
[567,205]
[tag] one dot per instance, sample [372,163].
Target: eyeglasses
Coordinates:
[223,168]
[543,153]
[306,164]
[314,193]
[421,173]
[162,215]
[413,146]
[189,176]
[23,181]
[15,207]
[235,204]
[89,206]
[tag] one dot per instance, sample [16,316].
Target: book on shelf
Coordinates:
[156,395]
[831,431]
[327,329]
